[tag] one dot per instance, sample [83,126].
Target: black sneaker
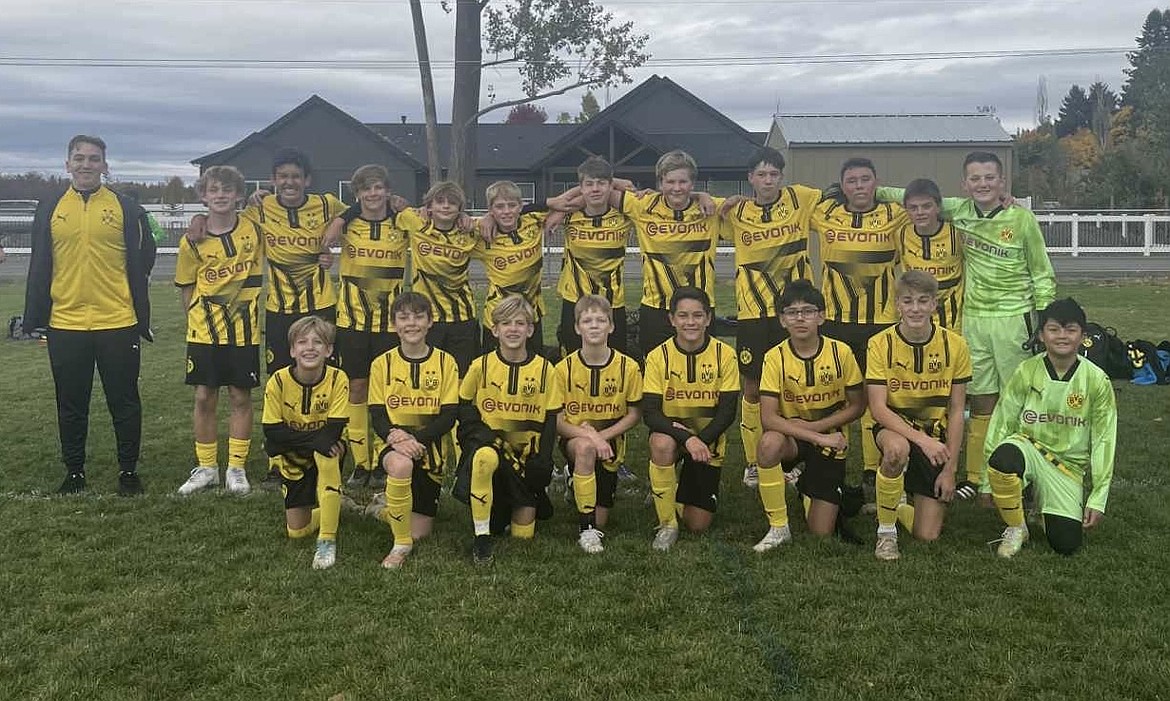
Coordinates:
[966,490]
[360,477]
[74,483]
[271,481]
[378,480]
[481,550]
[129,484]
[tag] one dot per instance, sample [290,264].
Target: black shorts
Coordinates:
[570,340]
[300,493]
[356,350]
[856,336]
[276,326]
[654,328]
[754,338]
[513,487]
[223,366]
[823,476]
[535,345]
[698,485]
[459,338]
[424,492]
[920,473]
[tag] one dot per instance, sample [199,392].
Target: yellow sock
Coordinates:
[397,511]
[484,464]
[871,457]
[207,454]
[314,524]
[772,495]
[585,492]
[749,429]
[663,482]
[238,451]
[906,517]
[976,437]
[807,503]
[1007,491]
[451,447]
[889,493]
[328,494]
[357,434]
[524,531]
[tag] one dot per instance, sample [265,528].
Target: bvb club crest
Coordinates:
[431,382]
[320,403]
[609,388]
[826,376]
[1075,400]
[707,374]
[745,356]
[248,246]
[1006,234]
[1088,342]
[529,387]
[108,217]
[934,364]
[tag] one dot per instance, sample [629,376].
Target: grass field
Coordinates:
[203,598]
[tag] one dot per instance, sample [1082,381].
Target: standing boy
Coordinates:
[933,246]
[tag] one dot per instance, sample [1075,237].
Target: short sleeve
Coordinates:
[409,220]
[653,382]
[449,390]
[556,393]
[333,207]
[186,264]
[378,381]
[850,371]
[339,399]
[633,386]
[963,370]
[876,367]
[273,402]
[770,376]
[471,382]
[729,371]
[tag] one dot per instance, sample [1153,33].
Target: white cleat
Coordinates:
[751,476]
[590,541]
[236,481]
[326,554]
[665,538]
[201,478]
[776,535]
[1012,541]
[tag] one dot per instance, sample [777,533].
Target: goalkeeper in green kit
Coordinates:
[1008,277]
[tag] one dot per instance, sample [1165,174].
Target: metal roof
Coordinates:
[890,128]
[500,146]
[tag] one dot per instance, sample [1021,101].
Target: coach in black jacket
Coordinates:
[92,253]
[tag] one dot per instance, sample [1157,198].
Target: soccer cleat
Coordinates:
[966,490]
[625,474]
[665,538]
[271,481]
[1012,541]
[378,480]
[751,476]
[129,484]
[326,554]
[236,481]
[776,535]
[200,478]
[887,547]
[360,477]
[793,475]
[74,483]
[396,557]
[481,550]
[590,541]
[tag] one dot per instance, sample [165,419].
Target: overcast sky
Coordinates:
[156,119]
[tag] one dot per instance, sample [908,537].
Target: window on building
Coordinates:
[726,188]
[345,192]
[527,192]
[251,186]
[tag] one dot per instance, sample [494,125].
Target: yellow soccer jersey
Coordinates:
[598,395]
[810,388]
[941,255]
[514,263]
[226,271]
[595,257]
[440,261]
[512,399]
[292,238]
[858,253]
[771,248]
[306,407]
[918,376]
[414,392]
[678,246]
[373,263]
[690,384]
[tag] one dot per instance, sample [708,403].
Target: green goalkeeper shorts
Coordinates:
[1059,490]
[996,344]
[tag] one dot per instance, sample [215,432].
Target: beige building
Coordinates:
[902,146]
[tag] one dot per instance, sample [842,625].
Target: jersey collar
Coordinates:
[1052,374]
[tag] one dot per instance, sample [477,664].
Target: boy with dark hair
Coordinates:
[219,279]
[690,391]
[1055,421]
[595,394]
[916,382]
[933,246]
[414,399]
[305,410]
[810,391]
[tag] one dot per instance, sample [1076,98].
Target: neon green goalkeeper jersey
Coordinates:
[1005,263]
[1072,420]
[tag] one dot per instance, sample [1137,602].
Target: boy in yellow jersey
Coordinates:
[810,390]
[933,246]
[506,432]
[595,255]
[304,421]
[373,263]
[414,399]
[595,394]
[916,382]
[220,279]
[691,387]
[859,252]
[770,232]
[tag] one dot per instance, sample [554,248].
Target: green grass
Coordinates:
[201,598]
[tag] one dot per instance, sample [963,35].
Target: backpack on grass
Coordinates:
[1151,364]
[1105,350]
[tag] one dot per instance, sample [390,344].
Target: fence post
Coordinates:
[1076,235]
[1148,235]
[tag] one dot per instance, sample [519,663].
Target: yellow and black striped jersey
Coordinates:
[306,407]
[859,251]
[512,399]
[678,246]
[690,384]
[918,376]
[292,242]
[814,387]
[514,262]
[600,395]
[595,257]
[440,260]
[414,392]
[226,271]
[771,248]
[373,264]
[941,255]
